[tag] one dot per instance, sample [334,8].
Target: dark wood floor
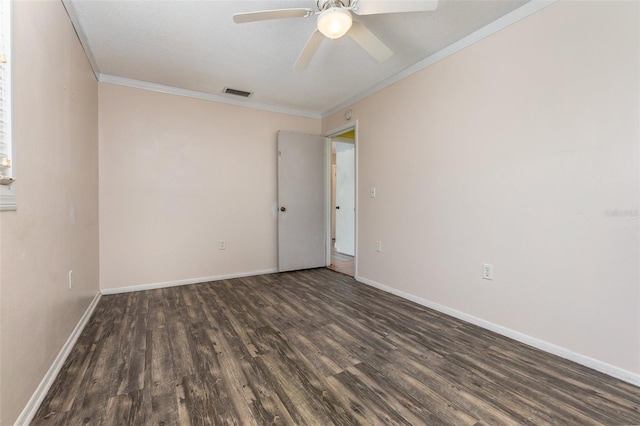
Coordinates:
[313,348]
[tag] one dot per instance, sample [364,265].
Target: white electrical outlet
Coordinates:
[223,245]
[378,246]
[487,271]
[70,280]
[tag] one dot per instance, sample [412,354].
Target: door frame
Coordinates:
[330,135]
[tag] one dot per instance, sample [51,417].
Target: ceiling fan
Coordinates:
[335,19]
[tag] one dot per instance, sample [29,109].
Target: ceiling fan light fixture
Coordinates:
[334,22]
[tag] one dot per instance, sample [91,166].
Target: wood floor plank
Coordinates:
[558,390]
[119,410]
[581,380]
[437,409]
[402,403]
[520,390]
[340,355]
[294,372]
[245,389]
[367,402]
[181,348]
[323,364]
[130,354]
[313,348]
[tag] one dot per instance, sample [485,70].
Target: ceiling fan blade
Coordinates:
[240,18]
[374,7]
[309,51]
[369,42]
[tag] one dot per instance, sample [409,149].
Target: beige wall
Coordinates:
[177,175]
[55,228]
[514,152]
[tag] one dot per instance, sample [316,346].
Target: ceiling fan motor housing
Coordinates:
[326,4]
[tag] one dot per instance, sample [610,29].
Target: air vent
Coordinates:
[236,92]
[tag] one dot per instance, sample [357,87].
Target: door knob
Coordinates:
[337,207]
[283,209]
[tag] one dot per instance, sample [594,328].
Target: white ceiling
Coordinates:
[195,45]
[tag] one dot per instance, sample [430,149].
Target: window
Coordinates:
[7,170]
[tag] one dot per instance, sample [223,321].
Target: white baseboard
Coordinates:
[551,348]
[32,406]
[165,284]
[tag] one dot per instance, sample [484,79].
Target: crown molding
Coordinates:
[82,37]
[161,88]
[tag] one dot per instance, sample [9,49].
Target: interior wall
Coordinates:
[520,151]
[55,228]
[177,175]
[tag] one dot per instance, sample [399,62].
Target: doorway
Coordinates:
[342,240]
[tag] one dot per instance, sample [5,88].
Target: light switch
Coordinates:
[372,192]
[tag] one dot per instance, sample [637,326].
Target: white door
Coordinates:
[345,198]
[301,201]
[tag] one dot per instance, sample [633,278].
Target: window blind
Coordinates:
[5,89]
[7,167]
